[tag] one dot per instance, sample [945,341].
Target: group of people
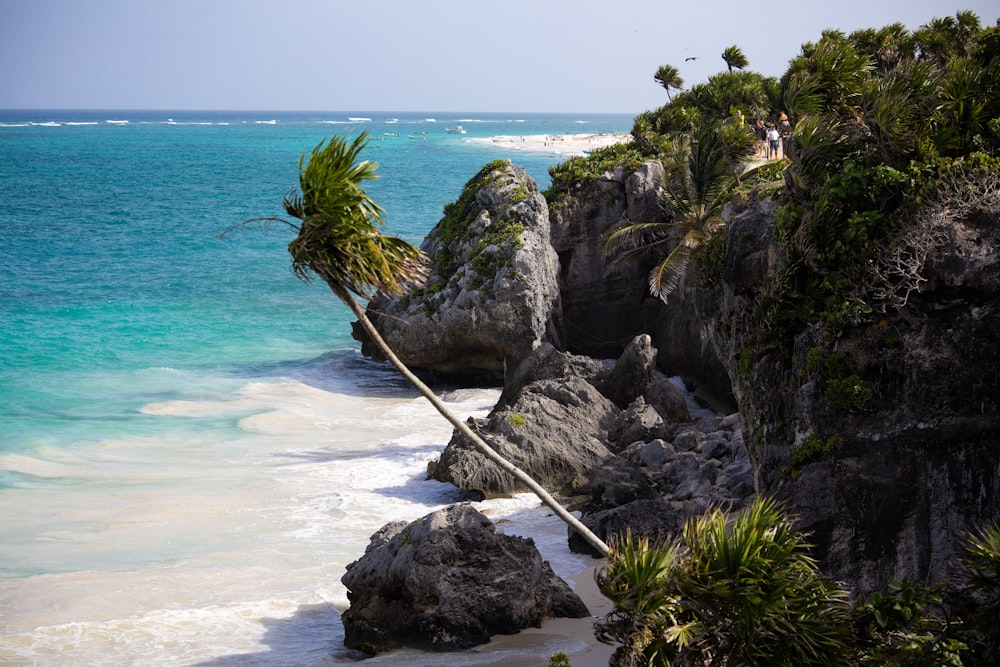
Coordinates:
[771,138]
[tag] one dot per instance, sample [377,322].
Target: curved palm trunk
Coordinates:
[464,429]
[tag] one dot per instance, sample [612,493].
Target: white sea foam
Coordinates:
[116,122]
[189,548]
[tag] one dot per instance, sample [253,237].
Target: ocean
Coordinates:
[192,448]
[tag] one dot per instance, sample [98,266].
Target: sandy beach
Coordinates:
[555,144]
[588,652]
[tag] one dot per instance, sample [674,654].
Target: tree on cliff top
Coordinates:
[668,77]
[735,58]
[340,242]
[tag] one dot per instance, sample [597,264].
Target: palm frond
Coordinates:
[339,238]
[666,276]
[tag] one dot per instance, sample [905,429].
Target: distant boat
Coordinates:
[458,129]
[391,134]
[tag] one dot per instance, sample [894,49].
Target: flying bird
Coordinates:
[691,58]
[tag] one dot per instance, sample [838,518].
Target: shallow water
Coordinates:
[191,447]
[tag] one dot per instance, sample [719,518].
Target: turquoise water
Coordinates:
[180,414]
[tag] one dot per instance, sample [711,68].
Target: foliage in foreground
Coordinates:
[743,592]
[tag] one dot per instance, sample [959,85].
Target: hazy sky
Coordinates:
[404,55]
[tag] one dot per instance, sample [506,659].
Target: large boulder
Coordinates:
[554,431]
[449,581]
[492,295]
[554,418]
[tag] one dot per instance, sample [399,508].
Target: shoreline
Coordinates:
[576,144]
[554,632]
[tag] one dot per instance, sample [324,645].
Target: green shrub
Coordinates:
[907,628]
[978,572]
[728,593]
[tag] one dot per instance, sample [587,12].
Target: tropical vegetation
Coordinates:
[744,591]
[339,240]
[729,592]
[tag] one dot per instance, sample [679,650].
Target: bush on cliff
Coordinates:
[743,592]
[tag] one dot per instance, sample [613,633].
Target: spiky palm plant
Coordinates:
[699,180]
[740,592]
[339,241]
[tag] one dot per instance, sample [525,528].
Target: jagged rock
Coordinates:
[637,423]
[554,431]
[705,464]
[601,307]
[655,519]
[615,482]
[632,373]
[553,422]
[492,295]
[882,436]
[547,363]
[449,581]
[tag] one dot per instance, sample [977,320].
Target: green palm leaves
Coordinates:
[697,184]
[740,592]
[339,239]
[669,77]
[734,58]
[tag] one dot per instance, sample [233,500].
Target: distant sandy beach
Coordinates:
[556,144]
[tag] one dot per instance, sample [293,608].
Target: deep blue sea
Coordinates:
[191,446]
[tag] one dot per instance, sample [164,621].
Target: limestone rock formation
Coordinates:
[554,430]
[601,307]
[554,417]
[882,435]
[605,307]
[652,486]
[492,295]
[449,581]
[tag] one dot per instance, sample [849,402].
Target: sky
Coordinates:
[593,56]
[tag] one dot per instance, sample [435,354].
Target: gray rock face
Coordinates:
[554,418]
[554,431]
[449,581]
[883,436]
[492,295]
[652,487]
[601,308]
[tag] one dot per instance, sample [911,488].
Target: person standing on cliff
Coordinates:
[772,142]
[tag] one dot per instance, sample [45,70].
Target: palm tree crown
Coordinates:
[698,182]
[338,239]
[734,58]
[669,77]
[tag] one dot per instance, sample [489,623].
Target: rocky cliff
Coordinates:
[881,435]
[492,294]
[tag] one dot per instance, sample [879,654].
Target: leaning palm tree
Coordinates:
[669,77]
[698,182]
[339,241]
[734,58]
